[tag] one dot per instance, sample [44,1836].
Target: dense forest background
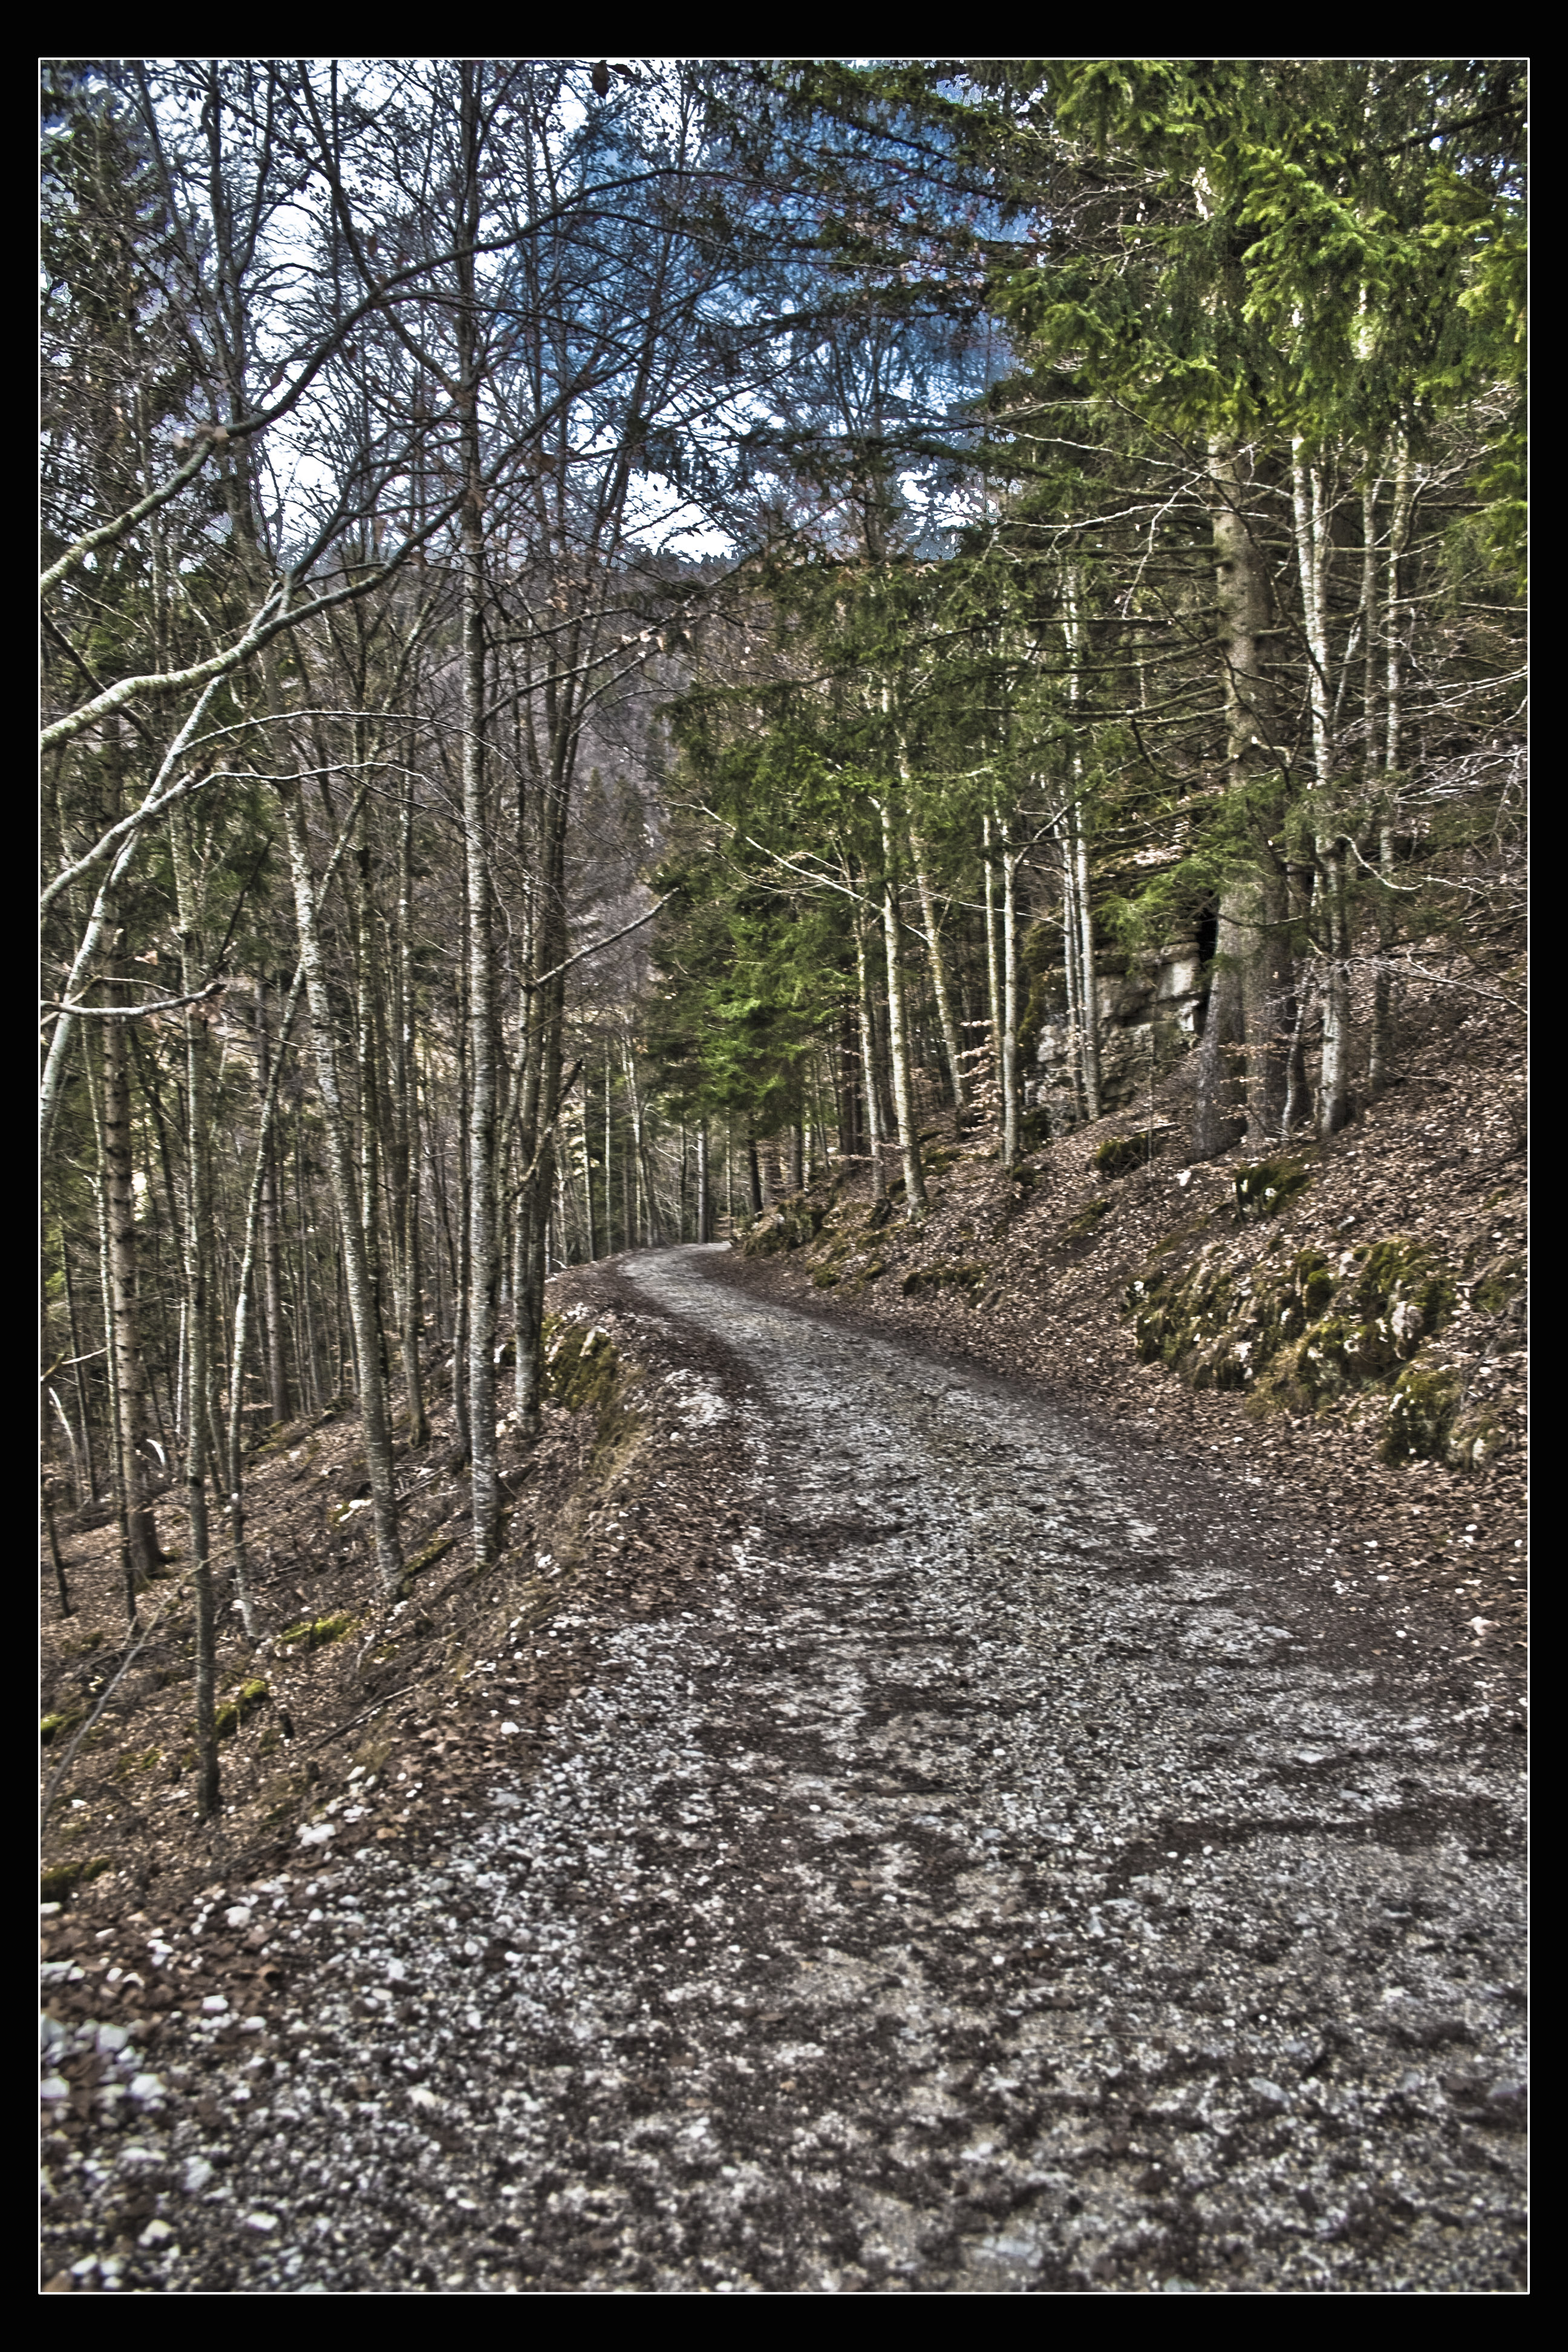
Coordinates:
[617,634]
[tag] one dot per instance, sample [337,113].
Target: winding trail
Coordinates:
[1008,1877]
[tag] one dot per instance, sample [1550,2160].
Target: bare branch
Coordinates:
[138,1011]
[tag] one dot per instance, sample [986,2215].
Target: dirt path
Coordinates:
[1015,1874]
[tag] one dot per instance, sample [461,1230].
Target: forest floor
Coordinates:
[622,1919]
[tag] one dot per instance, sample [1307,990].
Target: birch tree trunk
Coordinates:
[588,1185]
[89,1463]
[405,1083]
[946,1017]
[197,1376]
[1381,1055]
[125,1336]
[1010,861]
[1088,1031]
[271,1253]
[339,1161]
[897,1032]
[993,956]
[1308,504]
[484,1261]
[1243,1051]
[1072,945]
[233,1456]
[119,1477]
[872,1090]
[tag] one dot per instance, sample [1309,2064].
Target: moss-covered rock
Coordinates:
[1420,1413]
[1263,1190]
[1301,1332]
[1123,1153]
[1475,1438]
[61,1880]
[791,1225]
[1499,1287]
[581,1365]
[236,1711]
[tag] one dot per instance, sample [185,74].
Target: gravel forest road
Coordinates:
[1015,1874]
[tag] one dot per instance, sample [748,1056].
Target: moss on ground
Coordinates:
[316,1632]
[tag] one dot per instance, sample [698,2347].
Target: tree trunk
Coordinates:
[340,1159]
[48,1496]
[129,1368]
[232,1454]
[1382,1058]
[406,1081]
[1009,1062]
[870,1090]
[1329,843]
[120,1478]
[946,1017]
[588,1185]
[198,1217]
[993,956]
[484,1262]
[897,1032]
[1242,1058]
[1088,1032]
[77,1368]
[1089,1036]
[271,1254]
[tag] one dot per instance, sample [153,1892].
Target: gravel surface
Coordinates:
[1014,1873]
